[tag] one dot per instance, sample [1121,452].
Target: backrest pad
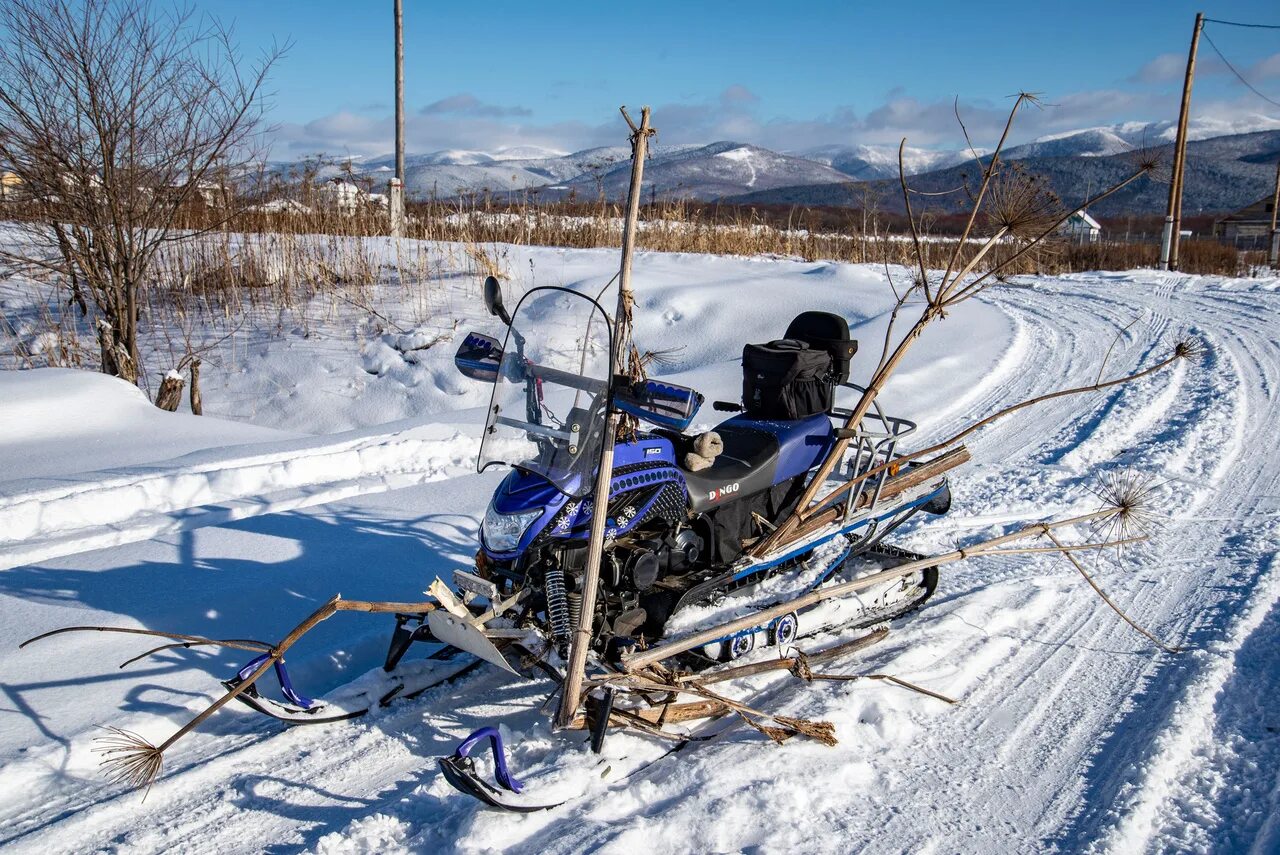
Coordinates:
[829,332]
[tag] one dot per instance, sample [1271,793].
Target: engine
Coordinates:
[535,537]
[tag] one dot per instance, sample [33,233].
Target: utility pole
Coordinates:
[581,642]
[1273,257]
[1173,213]
[395,194]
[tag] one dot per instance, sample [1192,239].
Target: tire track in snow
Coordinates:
[1192,749]
[1045,739]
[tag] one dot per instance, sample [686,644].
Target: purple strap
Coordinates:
[500,770]
[286,685]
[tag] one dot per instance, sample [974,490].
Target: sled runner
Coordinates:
[376,689]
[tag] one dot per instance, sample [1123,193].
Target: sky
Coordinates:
[784,75]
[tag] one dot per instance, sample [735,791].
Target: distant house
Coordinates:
[348,197]
[216,194]
[10,185]
[1080,227]
[1250,223]
[281,206]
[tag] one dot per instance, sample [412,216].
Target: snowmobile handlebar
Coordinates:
[557,377]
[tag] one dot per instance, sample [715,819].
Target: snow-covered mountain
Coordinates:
[448,173]
[868,162]
[712,171]
[732,169]
[1224,173]
[1128,136]
[687,171]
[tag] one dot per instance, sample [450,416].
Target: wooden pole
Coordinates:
[621,346]
[396,194]
[634,661]
[1274,252]
[1173,213]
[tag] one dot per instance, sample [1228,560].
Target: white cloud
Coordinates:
[466,104]
[462,121]
[1264,69]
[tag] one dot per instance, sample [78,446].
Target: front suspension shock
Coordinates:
[557,606]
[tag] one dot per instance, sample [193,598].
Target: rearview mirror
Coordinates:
[493,299]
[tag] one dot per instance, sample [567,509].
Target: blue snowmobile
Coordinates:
[687,513]
[684,510]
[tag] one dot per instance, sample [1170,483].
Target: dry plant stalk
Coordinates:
[130,758]
[1185,349]
[669,712]
[994,546]
[809,676]
[1019,210]
[1130,493]
[782,729]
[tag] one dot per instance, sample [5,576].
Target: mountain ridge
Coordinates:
[1225,171]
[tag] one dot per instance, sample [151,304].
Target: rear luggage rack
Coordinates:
[872,444]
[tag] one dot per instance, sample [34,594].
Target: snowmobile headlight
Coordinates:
[502,532]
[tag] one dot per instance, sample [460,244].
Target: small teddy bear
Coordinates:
[706,447]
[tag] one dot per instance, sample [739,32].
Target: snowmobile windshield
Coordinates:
[547,415]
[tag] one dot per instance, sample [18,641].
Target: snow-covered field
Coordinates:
[331,463]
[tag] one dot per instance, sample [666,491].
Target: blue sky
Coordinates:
[485,75]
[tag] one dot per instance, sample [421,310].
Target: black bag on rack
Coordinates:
[785,379]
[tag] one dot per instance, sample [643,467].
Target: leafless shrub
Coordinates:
[118,119]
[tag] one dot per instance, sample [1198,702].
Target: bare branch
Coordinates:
[911,220]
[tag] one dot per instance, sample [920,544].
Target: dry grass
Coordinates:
[1196,255]
[290,268]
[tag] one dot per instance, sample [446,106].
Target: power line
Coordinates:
[1238,75]
[1238,24]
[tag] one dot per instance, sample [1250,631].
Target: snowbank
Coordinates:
[65,419]
[57,421]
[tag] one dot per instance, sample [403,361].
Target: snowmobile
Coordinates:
[684,510]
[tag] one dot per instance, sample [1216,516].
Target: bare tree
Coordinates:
[119,119]
[1011,214]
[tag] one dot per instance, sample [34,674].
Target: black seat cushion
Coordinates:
[745,467]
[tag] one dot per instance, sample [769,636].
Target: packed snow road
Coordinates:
[1072,732]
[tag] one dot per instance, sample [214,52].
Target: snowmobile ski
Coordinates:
[506,793]
[459,769]
[374,689]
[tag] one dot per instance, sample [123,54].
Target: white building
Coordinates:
[348,197]
[1081,228]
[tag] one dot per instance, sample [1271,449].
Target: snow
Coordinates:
[343,461]
[281,206]
[742,155]
[57,422]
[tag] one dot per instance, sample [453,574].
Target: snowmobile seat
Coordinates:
[758,454]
